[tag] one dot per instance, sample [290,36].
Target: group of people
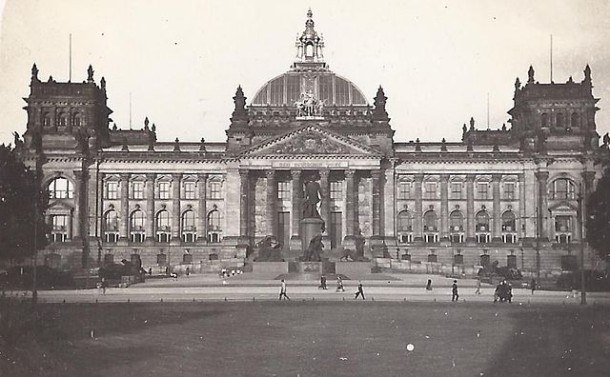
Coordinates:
[503,292]
[340,287]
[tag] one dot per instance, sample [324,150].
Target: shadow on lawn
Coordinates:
[552,341]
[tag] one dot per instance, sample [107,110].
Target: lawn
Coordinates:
[313,339]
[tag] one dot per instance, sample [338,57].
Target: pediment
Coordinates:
[311,140]
[563,207]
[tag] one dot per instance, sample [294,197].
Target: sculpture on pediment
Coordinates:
[309,143]
[309,106]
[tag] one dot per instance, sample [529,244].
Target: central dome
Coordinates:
[309,76]
[286,89]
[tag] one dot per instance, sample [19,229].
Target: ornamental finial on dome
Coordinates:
[309,45]
[239,100]
[379,112]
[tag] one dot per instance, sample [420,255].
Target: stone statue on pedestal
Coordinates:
[314,251]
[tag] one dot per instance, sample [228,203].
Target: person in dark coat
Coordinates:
[283,291]
[454,290]
[533,285]
[429,285]
[359,292]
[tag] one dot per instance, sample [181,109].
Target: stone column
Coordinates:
[496,234]
[521,225]
[297,193]
[175,221]
[541,177]
[417,221]
[470,215]
[150,207]
[376,181]
[588,177]
[77,230]
[350,203]
[271,211]
[444,206]
[203,211]
[124,228]
[325,200]
[243,202]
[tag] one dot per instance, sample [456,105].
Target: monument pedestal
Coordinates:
[378,247]
[310,228]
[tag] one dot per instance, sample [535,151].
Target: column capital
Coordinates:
[202,176]
[270,174]
[418,177]
[542,175]
[124,177]
[588,176]
[471,177]
[444,177]
[324,173]
[177,176]
[150,176]
[244,173]
[296,174]
[496,177]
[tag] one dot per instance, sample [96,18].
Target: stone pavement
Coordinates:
[249,287]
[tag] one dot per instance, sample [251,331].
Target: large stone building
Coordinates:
[510,195]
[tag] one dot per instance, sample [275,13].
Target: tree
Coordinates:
[22,204]
[598,221]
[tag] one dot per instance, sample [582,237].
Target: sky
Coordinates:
[180,62]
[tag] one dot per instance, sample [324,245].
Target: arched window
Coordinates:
[508,222]
[509,227]
[189,231]
[563,189]
[63,120]
[309,50]
[214,220]
[405,221]
[456,222]
[163,226]
[404,226]
[430,221]
[214,226]
[46,120]
[482,221]
[482,227]
[574,122]
[59,228]
[76,121]
[544,120]
[456,226]
[61,188]
[560,121]
[136,223]
[111,226]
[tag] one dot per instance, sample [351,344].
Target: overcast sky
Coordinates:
[182,60]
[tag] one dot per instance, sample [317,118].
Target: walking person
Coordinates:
[324,282]
[283,291]
[429,285]
[340,284]
[533,285]
[478,290]
[104,286]
[359,292]
[454,289]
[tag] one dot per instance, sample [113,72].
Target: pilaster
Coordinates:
[202,218]
[271,210]
[470,215]
[497,221]
[444,207]
[417,221]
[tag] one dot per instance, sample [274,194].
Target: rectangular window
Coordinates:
[163,190]
[111,237]
[137,190]
[509,191]
[430,190]
[112,190]
[283,190]
[214,191]
[189,190]
[404,190]
[405,237]
[482,190]
[456,190]
[59,228]
[137,237]
[336,190]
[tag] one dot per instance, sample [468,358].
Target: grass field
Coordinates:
[313,339]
